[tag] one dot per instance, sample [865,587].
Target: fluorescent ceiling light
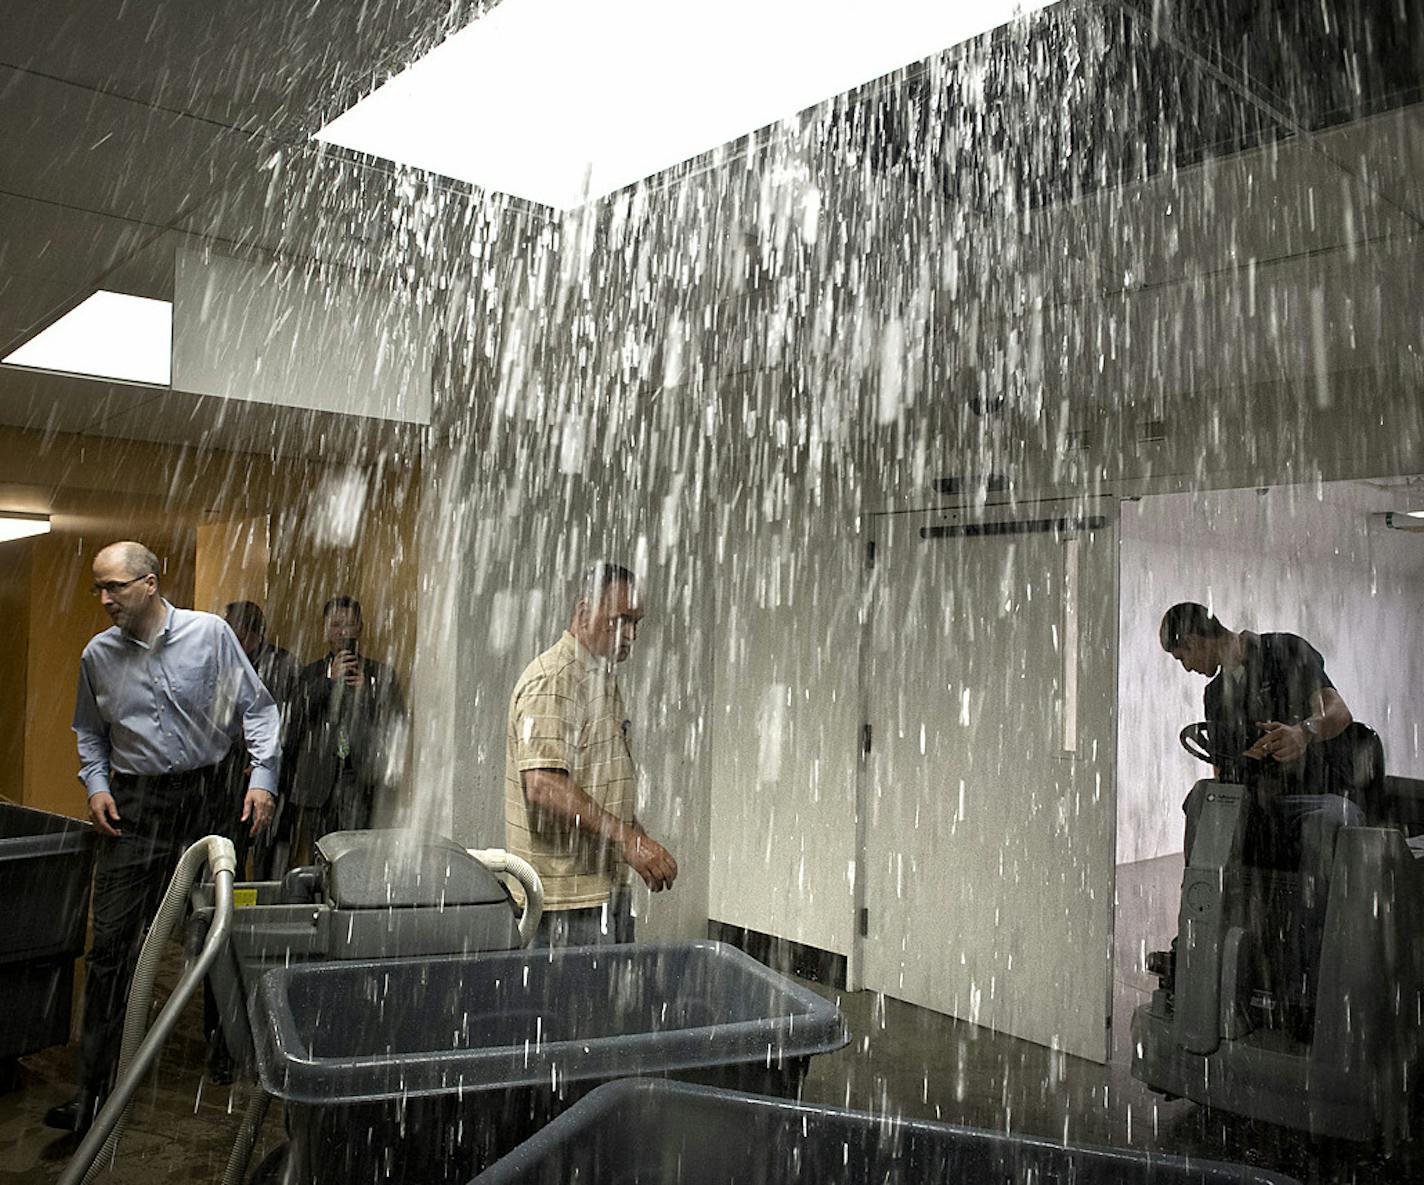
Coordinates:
[563,101]
[111,335]
[22,526]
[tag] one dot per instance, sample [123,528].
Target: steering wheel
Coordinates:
[1194,741]
[1197,741]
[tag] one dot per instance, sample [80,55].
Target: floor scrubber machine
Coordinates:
[1341,1064]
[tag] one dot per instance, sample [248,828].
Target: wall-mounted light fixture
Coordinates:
[19,525]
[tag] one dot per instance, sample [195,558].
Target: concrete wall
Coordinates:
[784,354]
[785,724]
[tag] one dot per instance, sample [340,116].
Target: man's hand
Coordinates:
[257,805]
[105,812]
[1283,743]
[345,667]
[649,859]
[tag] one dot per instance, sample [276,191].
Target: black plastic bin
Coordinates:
[426,1070]
[46,861]
[665,1133]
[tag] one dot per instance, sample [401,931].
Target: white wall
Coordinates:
[784,729]
[858,381]
[1312,560]
[269,332]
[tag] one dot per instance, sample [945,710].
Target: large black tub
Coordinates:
[45,866]
[663,1133]
[425,1070]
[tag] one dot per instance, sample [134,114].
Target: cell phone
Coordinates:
[349,646]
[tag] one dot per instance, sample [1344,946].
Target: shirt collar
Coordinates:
[586,659]
[163,633]
[1249,644]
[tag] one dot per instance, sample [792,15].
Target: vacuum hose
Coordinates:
[141,1046]
[252,1119]
[498,861]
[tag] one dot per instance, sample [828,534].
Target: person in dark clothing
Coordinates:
[1274,725]
[348,728]
[279,671]
[277,668]
[1272,712]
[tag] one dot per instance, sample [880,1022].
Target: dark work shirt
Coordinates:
[337,732]
[1278,679]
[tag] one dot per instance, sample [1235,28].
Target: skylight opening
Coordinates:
[564,101]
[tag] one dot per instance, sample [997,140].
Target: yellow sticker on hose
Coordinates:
[241,897]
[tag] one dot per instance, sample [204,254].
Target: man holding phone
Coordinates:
[348,734]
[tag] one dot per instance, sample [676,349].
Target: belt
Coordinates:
[175,780]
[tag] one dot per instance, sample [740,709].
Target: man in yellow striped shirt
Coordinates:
[569,777]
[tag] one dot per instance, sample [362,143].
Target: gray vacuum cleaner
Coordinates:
[371,895]
[1210,1031]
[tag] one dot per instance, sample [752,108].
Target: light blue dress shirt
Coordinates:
[172,706]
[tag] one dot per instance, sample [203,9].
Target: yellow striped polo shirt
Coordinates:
[566,714]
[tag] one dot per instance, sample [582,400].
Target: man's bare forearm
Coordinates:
[555,793]
[1332,712]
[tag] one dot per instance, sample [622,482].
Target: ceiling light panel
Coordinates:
[22,526]
[111,335]
[563,101]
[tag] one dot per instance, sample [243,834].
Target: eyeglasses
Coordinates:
[113,586]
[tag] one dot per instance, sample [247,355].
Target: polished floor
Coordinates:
[902,1060]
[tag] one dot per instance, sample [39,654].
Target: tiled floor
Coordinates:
[902,1060]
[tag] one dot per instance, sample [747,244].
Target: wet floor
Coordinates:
[901,1060]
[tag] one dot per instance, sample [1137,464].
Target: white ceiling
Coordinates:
[1325,524]
[123,126]
[128,130]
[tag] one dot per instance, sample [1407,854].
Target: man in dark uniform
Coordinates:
[1274,724]
[348,731]
[279,670]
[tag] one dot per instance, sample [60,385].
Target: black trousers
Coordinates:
[159,816]
[347,808]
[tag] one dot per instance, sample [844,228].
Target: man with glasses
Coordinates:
[569,776]
[162,698]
